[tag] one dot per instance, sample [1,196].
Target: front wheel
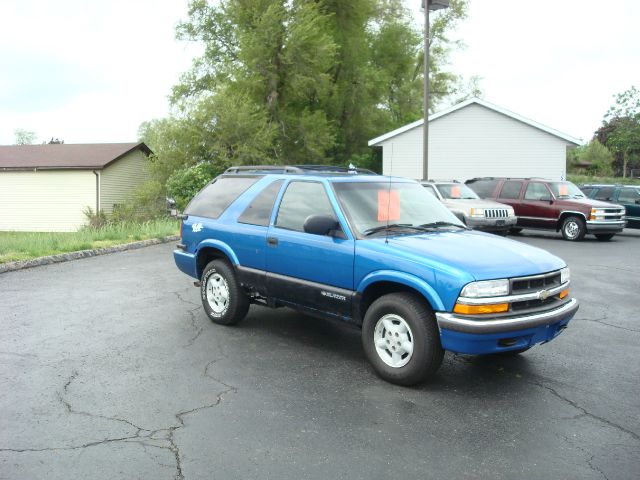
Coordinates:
[604,237]
[401,340]
[515,230]
[573,228]
[223,299]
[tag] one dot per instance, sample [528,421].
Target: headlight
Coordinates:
[565,275]
[597,214]
[477,212]
[511,212]
[487,288]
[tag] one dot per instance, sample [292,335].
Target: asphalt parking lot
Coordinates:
[110,369]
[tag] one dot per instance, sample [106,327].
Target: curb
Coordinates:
[66,257]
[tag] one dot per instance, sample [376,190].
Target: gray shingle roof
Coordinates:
[65,156]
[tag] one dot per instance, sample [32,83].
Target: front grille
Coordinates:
[496,213]
[612,215]
[538,303]
[534,283]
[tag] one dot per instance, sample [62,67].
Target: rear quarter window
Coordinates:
[484,188]
[511,190]
[217,196]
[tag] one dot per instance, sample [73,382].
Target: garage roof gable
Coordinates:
[569,139]
[89,156]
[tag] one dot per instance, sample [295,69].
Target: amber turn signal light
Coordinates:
[480,309]
[564,293]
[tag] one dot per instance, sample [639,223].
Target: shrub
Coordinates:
[96,220]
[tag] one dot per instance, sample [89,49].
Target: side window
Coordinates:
[484,188]
[605,193]
[217,196]
[300,200]
[259,210]
[587,191]
[511,190]
[537,191]
[629,195]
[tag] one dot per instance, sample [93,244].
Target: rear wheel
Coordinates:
[604,237]
[222,296]
[573,228]
[401,340]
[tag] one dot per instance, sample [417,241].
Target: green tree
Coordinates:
[298,81]
[597,156]
[23,137]
[620,129]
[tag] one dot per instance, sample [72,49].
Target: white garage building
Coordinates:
[46,188]
[476,139]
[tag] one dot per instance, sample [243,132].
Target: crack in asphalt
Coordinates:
[585,412]
[586,452]
[554,392]
[184,300]
[23,355]
[192,319]
[198,329]
[609,267]
[601,322]
[142,436]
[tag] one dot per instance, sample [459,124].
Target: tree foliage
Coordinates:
[299,81]
[23,137]
[594,158]
[620,130]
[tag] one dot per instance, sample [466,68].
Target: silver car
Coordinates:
[471,209]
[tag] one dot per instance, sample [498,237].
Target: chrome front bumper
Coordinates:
[459,323]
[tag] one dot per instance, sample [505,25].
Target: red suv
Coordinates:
[549,205]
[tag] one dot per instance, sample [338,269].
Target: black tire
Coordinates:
[515,230]
[219,274]
[501,233]
[427,352]
[604,237]
[573,228]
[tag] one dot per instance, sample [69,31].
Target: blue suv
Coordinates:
[379,252]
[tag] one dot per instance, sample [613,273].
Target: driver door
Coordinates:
[305,270]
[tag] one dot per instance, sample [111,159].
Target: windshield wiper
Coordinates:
[442,224]
[373,230]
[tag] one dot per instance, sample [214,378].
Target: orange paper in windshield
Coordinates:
[563,190]
[455,191]
[388,205]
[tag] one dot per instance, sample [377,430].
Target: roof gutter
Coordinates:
[97,174]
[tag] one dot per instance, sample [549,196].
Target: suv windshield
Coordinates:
[456,191]
[403,207]
[565,190]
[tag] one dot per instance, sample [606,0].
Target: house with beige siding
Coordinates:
[476,139]
[46,188]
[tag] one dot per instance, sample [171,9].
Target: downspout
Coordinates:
[97,174]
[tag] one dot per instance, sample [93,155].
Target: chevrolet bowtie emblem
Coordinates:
[543,294]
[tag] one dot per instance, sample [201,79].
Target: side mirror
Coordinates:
[321,225]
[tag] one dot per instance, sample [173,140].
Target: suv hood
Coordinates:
[481,255]
[588,202]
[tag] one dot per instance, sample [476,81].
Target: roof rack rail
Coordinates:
[297,169]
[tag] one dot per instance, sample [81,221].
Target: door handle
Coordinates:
[272,241]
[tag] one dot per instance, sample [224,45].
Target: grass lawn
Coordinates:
[579,179]
[27,245]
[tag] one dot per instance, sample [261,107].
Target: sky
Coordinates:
[92,71]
